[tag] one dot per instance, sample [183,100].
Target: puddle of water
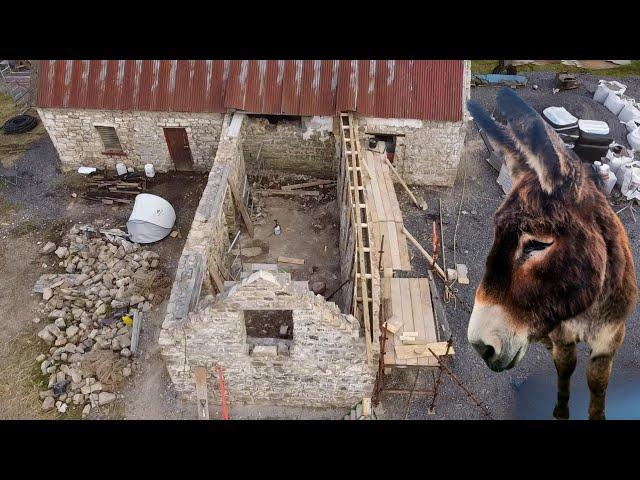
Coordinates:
[537,397]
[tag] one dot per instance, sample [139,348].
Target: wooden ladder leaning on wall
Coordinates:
[363,310]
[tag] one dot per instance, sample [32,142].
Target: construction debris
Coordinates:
[296,261]
[316,183]
[120,190]
[461,274]
[90,345]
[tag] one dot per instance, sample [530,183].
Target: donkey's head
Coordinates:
[547,262]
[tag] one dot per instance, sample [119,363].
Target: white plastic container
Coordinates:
[617,160]
[629,112]
[595,127]
[631,184]
[121,168]
[149,171]
[605,88]
[608,178]
[634,139]
[86,170]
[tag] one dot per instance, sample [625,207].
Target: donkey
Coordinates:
[560,270]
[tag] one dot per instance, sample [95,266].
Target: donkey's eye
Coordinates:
[534,246]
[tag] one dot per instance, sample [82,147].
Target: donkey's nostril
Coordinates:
[485,351]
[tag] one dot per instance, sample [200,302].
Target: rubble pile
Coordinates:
[89,337]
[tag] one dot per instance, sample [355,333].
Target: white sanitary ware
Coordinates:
[593,126]
[121,168]
[151,220]
[605,88]
[559,116]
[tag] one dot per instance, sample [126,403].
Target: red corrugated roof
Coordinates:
[421,89]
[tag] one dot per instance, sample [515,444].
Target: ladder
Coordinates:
[363,303]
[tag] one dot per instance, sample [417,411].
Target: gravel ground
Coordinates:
[528,390]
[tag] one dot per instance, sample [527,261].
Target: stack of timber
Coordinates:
[386,217]
[410,324]
[115,191]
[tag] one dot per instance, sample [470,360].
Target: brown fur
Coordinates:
[580,288]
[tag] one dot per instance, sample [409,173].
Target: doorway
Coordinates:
[179,150]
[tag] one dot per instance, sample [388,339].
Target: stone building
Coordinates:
[170,113]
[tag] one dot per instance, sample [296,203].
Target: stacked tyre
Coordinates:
[19,124]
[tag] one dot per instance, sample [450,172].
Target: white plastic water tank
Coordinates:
[605,88]
[151,219]
[149,171]
[121,168]
[629,112]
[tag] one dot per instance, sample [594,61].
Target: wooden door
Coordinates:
[178,144]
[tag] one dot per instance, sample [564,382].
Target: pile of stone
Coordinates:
[89,337]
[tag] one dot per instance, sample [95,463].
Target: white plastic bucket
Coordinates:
[605,88]
[629,112]
[121,168]
[149,171]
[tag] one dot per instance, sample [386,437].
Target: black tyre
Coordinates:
[20,124]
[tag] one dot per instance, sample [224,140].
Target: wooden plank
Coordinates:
[200,375]
[215,276]
[390,232]
[296,261]
[429,321]
[413,352]
[419,313]
[307,184]
[403,248]
[135,332]
[424,253]
[407,313]
[422,205]
[300,193]
[395,212]
[240,206]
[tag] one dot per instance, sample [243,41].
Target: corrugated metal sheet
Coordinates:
[421,89]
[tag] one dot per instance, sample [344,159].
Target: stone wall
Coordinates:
[141,135]
[306,145]
[206,247]
[429,152]
[323,365]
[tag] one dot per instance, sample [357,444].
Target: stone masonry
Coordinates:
[300,145]
[205,250]
[324,365]
[141,135]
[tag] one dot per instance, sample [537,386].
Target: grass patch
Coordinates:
[12,147]
[486,66]
[24,228]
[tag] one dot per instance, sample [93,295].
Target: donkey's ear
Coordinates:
[541,147]
[501,138]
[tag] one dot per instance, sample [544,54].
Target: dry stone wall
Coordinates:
[299,145]
[324,365]
[141,135]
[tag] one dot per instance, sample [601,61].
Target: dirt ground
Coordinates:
[40,209]
[310,231]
